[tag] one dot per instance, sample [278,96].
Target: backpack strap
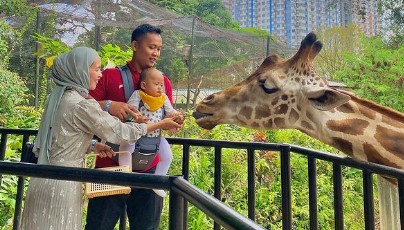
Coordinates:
[127,80]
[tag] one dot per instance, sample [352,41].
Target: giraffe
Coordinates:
[287,93]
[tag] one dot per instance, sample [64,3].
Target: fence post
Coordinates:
[176,211]
[338,202]
[218,178]
[286,188]
[312,171]
[251,183]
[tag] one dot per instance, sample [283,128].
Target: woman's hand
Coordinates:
[103,150]
[140,118]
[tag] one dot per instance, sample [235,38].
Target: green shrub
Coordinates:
[12,91]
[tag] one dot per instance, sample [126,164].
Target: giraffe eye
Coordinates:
[267,88]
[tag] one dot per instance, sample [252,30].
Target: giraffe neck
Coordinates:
[360,129]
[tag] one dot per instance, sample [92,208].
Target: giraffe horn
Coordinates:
[315,49]
[305,52]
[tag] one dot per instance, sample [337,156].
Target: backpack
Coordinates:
[146,148]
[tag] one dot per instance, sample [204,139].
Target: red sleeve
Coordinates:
[169,89]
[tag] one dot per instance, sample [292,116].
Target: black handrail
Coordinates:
[180,219]
[214,208]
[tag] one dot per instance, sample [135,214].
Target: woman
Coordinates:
[68,124]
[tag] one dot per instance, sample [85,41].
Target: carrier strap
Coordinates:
[127,81]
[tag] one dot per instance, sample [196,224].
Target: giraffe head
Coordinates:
[275,96]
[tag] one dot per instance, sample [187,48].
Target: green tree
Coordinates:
[337,41]
[393,14]
[210,11]
[14,7]
[376,73]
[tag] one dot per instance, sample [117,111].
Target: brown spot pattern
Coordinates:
[307,125]
[345,108]
[392,122]
[343,145]
[367,112]
[391,140]
[246,112]
[309,116]
[279,122]
[255,124]
[268,123]
[275,101]
[375,157]
[348,126]
[294,116]
[262,112]
[282,109]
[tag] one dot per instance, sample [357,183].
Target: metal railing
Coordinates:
[182,192]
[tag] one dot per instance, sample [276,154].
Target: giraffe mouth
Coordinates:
[198,115]
[203,120]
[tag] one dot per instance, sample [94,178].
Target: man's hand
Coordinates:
[122,110]
[103,150]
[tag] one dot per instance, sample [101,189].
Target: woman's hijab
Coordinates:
[69,70]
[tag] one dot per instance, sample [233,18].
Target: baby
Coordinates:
[153,104]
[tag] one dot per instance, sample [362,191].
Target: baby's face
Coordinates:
[154,83]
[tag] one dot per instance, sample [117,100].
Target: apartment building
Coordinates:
[291,20]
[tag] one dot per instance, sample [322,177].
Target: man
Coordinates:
[143,205]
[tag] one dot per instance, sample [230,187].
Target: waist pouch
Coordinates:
[145,151]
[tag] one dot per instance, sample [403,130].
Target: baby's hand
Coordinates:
[172,131]
[177,117]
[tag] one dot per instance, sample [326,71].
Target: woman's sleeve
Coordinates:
[89,117]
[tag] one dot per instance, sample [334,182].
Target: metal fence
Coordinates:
[182,192]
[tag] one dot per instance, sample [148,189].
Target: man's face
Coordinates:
[147,50]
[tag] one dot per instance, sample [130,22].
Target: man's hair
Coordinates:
[142,30]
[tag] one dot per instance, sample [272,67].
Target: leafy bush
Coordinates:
[23,117]
[268,181]
[377,73]
[12,91]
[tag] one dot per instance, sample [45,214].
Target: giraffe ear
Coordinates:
[325,98]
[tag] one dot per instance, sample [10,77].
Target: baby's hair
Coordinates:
[144,73]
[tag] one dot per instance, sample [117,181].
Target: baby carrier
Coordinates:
[146,147]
